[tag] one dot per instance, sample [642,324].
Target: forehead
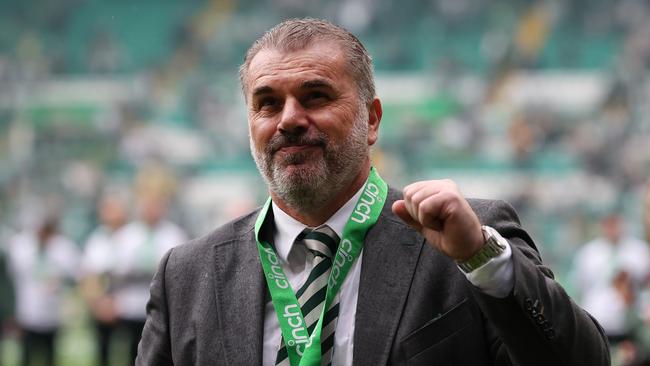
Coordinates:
[277,68]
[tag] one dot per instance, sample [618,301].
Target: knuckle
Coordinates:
[454,194]
[408,191]
[450,183]
[417,196]
[422,214]
[447,196]
[427,207]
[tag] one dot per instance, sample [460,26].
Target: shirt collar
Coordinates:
[287,228]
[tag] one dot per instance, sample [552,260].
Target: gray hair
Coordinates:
[298,34]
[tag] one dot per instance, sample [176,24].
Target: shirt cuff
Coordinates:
[496,277]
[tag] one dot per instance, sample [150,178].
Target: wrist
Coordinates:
[491,248]
[477,241]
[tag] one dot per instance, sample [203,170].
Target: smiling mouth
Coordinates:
[296,148]
[294,155]
[292,149]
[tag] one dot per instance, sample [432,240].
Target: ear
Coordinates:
[374,117]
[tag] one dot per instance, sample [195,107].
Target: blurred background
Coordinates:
[123,131]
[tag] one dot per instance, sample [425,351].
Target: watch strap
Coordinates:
[491,249]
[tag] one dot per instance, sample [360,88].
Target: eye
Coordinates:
[317,94]
[316,97]
[266,103]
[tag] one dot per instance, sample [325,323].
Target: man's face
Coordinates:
[309,130]
[152,209]
[112,212]
[612,228]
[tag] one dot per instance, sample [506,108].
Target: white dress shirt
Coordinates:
[495,278]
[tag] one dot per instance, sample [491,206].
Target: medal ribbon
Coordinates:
[305,349]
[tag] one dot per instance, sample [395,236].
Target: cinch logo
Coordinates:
[298,329]
[368,198]
[276,270]
[341,256]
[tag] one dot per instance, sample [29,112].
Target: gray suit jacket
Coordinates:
[415,307]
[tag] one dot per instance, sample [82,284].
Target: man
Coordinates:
[97,267]
[42,263]
[7,292]
[138,246]
[608,273]
[646,211]
[426,284]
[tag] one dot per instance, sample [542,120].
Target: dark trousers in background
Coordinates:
[1,339]
[133,329]
[38,344]
[104,331]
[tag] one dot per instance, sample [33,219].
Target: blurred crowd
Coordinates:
[112,271]
[541,103]
[611,276]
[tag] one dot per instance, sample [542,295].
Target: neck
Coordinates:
[114,227]
[151,224]
[323,213]
[614,241]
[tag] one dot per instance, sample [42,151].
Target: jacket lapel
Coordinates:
[240,296]
[390,255]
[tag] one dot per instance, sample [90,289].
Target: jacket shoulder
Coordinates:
[491,211]
[238,229]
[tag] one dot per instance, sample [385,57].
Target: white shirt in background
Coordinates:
[594,268]
[99,252]
[138,249]
[39,277]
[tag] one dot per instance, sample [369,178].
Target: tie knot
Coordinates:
[321,241]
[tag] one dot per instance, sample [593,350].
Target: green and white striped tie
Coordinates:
[322,243]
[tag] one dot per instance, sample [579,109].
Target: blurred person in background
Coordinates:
[41,262]
[139,246]
[97,271]
[7,299]
[608,273]
[426,276]
[646,212]
[643,330]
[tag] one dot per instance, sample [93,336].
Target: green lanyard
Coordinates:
[305,349]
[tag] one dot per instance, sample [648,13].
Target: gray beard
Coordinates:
[311,186]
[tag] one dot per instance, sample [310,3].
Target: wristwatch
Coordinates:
[493,248]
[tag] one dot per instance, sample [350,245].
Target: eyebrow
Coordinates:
[262,90]
[314,84]
[309,84]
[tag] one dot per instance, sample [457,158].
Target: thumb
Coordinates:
[399,209]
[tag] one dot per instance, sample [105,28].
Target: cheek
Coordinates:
[261,131]
[336,125]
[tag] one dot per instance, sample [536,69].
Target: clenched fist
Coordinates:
[437,209]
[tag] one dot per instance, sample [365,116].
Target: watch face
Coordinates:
[492,248]
[493,238]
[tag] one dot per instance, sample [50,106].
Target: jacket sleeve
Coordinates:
[155,345]
[538,323]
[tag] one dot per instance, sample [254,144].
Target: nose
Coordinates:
[293,119]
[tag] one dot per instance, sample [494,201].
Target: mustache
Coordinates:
[284,140]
